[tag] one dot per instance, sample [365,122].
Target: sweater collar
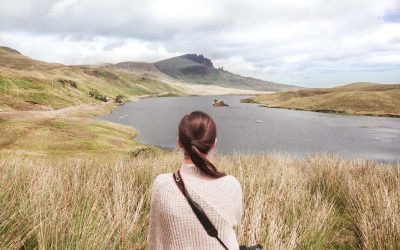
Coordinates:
[190,168]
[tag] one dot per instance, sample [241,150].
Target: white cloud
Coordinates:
[307,42]
[68,50]
[62,7]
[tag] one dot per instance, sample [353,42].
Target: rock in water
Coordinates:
[219,103]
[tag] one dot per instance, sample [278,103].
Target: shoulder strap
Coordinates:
[198,211]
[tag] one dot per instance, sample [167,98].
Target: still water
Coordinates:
[250,128]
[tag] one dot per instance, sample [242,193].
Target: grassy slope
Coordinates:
[64,136]
[50,134]
[27,84]
[218,77]
[357,98]
[84,203]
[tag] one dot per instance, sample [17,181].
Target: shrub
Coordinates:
[143,151]
[96,95]
[120,99]
[65,82]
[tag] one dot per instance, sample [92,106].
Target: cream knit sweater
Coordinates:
[173,224]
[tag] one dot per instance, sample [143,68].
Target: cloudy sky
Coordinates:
[304,42]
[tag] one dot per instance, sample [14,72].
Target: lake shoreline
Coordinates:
[156,120]
[70,131]
[67,132]
[327,111]
[87,116]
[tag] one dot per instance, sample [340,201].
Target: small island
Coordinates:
[219,103]
[247,100]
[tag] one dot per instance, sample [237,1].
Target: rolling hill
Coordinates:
[12,58]
[27,84]
[356,98]
[197,69]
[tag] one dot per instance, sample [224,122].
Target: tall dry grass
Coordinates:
[317,203]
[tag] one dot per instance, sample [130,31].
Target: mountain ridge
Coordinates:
[197,69]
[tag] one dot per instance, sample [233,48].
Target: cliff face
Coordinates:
[203,67]
[199,59]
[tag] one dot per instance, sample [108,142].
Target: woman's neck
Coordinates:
[187,160]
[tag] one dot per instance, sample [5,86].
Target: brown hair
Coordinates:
[197,134]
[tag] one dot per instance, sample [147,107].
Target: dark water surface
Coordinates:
[288,131]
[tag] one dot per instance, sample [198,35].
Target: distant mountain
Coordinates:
[197,69]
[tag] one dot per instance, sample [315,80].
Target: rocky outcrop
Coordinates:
[219,103]
[204,66]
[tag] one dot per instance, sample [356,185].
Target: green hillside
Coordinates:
[356,98]
[196,69]
[27,84]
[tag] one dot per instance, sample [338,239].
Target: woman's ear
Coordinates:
[178,142]
[215,143]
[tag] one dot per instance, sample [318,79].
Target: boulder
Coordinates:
[220,103]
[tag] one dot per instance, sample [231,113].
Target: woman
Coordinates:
[173,224]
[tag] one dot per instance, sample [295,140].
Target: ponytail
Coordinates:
[201,161]
[197,134]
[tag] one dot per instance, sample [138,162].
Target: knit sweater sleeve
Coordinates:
[154,226]
[239,200]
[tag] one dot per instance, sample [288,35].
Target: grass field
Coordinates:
[322,202]
[358,98]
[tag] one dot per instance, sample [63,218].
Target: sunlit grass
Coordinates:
[358,98]
[65,136]
[320,202]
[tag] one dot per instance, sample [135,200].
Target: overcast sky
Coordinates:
[305,42]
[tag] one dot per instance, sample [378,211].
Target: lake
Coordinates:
[288,131]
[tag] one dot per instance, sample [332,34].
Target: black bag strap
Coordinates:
[198,211]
